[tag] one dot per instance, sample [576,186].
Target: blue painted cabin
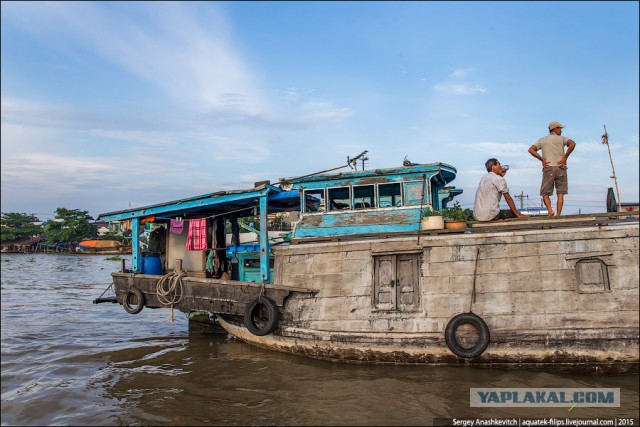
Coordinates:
[368,202]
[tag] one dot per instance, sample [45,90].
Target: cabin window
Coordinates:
[314,200]
[339,198]
[396,282]
[413,193]
[364,197]
[389,195]
[592,275]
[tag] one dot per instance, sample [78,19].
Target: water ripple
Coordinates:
[66,361]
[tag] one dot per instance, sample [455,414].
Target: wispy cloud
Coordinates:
[454,84]
[461,73]
[459,89]
[188,56]
[315,112]
[293,94]
[185,52]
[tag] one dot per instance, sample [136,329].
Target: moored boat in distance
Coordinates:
[100,246]
[360,281]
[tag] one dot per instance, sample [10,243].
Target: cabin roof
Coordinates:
[446,172]
[242,201]
[219,203]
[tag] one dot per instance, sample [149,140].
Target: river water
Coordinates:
[66,361]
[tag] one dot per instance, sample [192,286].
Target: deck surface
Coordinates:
[476,227]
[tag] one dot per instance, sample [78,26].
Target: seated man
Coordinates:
[492,186]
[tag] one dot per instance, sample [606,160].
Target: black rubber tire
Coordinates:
[133,296]
[261,316]
[454,345]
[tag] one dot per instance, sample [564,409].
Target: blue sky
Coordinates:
[107,105]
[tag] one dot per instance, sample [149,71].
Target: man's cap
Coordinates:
[554,125]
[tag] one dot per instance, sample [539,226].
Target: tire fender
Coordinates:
[133,301]
[261,316]
[454,345]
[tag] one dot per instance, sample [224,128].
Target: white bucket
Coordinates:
[432,223]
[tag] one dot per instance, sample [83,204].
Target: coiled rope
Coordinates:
[170,290]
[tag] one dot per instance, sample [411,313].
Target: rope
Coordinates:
[475,272]
[171,294]
[110,287]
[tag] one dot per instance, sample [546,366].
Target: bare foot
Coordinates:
[551,213]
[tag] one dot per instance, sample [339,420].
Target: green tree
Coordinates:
[19,226]
[70,225]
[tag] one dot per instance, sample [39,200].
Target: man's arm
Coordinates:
[534,152]
[512,206]
[563,161]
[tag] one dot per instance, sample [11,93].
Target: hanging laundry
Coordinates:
[209,263]
[197,236]
[176,226]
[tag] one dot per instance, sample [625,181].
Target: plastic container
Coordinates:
[432,223]
[151,264]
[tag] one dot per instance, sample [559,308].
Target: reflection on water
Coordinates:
[67,361]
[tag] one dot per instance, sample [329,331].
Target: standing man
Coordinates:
[554,164]
[493,186]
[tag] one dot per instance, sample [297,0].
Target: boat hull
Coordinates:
[563,298]
[602,356]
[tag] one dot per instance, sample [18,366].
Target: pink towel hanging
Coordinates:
[197,236]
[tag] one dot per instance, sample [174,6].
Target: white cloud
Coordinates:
[455,84]
[293,94]
[460,73]
[459,89]
[184,51]
[591,147]
[322,112]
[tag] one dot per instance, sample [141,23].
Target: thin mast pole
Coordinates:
[605,140]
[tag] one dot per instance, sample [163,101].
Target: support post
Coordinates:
[235,232]
[605,140]
[264,241]
[136,256]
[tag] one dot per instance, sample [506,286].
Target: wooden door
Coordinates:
[408,280]
[396,282]
[385,282]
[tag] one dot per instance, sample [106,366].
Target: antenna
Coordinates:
[353,163]
[605,141]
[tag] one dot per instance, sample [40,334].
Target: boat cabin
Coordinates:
[340,204]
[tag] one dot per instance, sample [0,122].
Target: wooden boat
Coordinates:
[96,246]
[361,282]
